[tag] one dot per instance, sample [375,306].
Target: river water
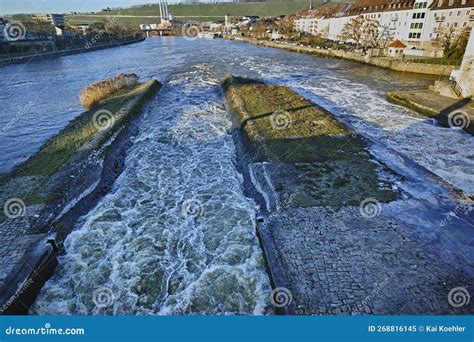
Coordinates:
[176,233]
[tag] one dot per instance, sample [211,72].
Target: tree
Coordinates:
[362,31]
[454,42]
[286,27]
[259,29]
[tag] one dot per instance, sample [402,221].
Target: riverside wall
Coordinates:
[57,54]
[383,62]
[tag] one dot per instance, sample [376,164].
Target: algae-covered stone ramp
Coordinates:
[312,158]
[331,244]
[46,194]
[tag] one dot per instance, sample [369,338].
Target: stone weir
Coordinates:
[44,196]
[342,231]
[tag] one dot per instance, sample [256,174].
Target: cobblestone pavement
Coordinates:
[15,238]
[334,261]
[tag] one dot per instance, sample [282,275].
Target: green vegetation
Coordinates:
[234,9]
[312,157]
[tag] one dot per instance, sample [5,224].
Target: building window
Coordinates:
[459,13]
[464,24]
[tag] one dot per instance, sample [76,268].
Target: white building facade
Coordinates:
[418,23]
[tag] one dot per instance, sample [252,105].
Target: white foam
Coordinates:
[138,241]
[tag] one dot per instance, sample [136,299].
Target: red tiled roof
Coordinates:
[370,6]
[326,11]
[397,44]
[447,4]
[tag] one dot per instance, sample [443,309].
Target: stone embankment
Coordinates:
[62,53]
[44,196]
[383,62]
[344,231]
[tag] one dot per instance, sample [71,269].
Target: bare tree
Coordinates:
[362,31]
[385,36]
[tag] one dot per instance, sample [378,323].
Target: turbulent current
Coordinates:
[176,235]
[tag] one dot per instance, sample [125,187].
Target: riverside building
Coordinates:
[419,24]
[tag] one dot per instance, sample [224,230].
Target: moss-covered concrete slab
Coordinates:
[308,155]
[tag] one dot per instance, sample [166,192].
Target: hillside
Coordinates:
[200,12]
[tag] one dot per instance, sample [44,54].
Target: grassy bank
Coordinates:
[311,157]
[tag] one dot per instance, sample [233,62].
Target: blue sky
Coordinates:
[31,6]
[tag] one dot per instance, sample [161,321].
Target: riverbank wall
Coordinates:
[383,62]
[63,53]
[46,195]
